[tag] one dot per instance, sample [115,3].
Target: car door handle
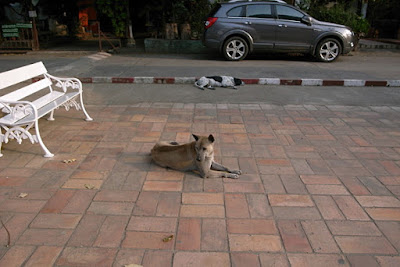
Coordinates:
[247,22]
[282,25]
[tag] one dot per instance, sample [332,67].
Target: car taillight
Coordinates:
[210,21]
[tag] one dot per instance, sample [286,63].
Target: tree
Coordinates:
[25,5]
[117,12]
[342,12]
[384,16]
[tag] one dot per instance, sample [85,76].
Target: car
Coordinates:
[238,28]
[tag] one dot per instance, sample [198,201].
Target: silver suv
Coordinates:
[238,28]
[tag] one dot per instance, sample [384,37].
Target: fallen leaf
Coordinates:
[23,195]
[89,186]
[69,160]
[168,238]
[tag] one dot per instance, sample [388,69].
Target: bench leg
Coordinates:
[88,118]
[47,153]
[1,141]
[51,116]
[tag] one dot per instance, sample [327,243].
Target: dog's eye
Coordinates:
[204,149]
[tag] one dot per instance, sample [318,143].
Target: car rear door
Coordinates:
[260,18]
[291,33]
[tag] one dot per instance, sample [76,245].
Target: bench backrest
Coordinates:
[26,73]
[21,74]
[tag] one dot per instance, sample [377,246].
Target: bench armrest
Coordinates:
[64,83]
[16,110]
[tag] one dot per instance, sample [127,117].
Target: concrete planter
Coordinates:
[152,45]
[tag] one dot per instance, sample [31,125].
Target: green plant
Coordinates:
[198,11]
[193,12]
[117,12]
[179,12]
[341,15]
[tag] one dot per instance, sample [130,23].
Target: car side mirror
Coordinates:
[306,20]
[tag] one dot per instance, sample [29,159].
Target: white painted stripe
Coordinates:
[269,81]
[143,80]
[354,83]
[101,80]
[185,80]
[393,83]
[311,82]
[104,54]
[99,56]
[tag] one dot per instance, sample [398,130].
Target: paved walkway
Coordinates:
[320,187]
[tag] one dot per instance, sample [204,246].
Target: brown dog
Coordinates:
[195,156]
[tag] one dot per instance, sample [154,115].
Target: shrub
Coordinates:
[340,15]
[116,11]
[193,12]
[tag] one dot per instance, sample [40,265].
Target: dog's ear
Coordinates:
[211,138]
[195,137]
[238,81]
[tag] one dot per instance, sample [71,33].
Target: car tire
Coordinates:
[235,48]
[328,50]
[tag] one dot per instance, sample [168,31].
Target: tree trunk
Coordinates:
[364,9]
[185,31]
[171,31]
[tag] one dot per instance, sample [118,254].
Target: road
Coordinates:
[372,65]
[121,94]
[376,65]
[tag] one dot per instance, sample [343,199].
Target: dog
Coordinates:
[210,82]
[197,156]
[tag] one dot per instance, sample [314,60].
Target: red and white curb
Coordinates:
[259,81]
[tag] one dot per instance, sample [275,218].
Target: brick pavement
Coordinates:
[321,187]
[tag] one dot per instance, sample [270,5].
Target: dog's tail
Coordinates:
[196,83]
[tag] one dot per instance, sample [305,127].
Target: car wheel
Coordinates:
[328,50]
[235,48]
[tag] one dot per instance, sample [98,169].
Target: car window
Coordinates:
[239,11]
[259,11]
[285,12]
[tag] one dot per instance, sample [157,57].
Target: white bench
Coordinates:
[22,105]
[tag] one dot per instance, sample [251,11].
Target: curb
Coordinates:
[259,81]
[386,46]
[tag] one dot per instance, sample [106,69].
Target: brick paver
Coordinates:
[320,187]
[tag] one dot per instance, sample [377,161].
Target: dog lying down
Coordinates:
[211,82]
[197,156]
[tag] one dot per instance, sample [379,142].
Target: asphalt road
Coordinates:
[372,65]
[361,65]
[128,94]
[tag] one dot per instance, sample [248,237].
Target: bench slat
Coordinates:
[50,106]
[21,74]
[44,100]
[44,105]
[26,91]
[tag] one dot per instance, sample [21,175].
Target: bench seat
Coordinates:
[44,105]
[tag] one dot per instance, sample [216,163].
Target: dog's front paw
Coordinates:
[233,176]
[230,175]
[236,172]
